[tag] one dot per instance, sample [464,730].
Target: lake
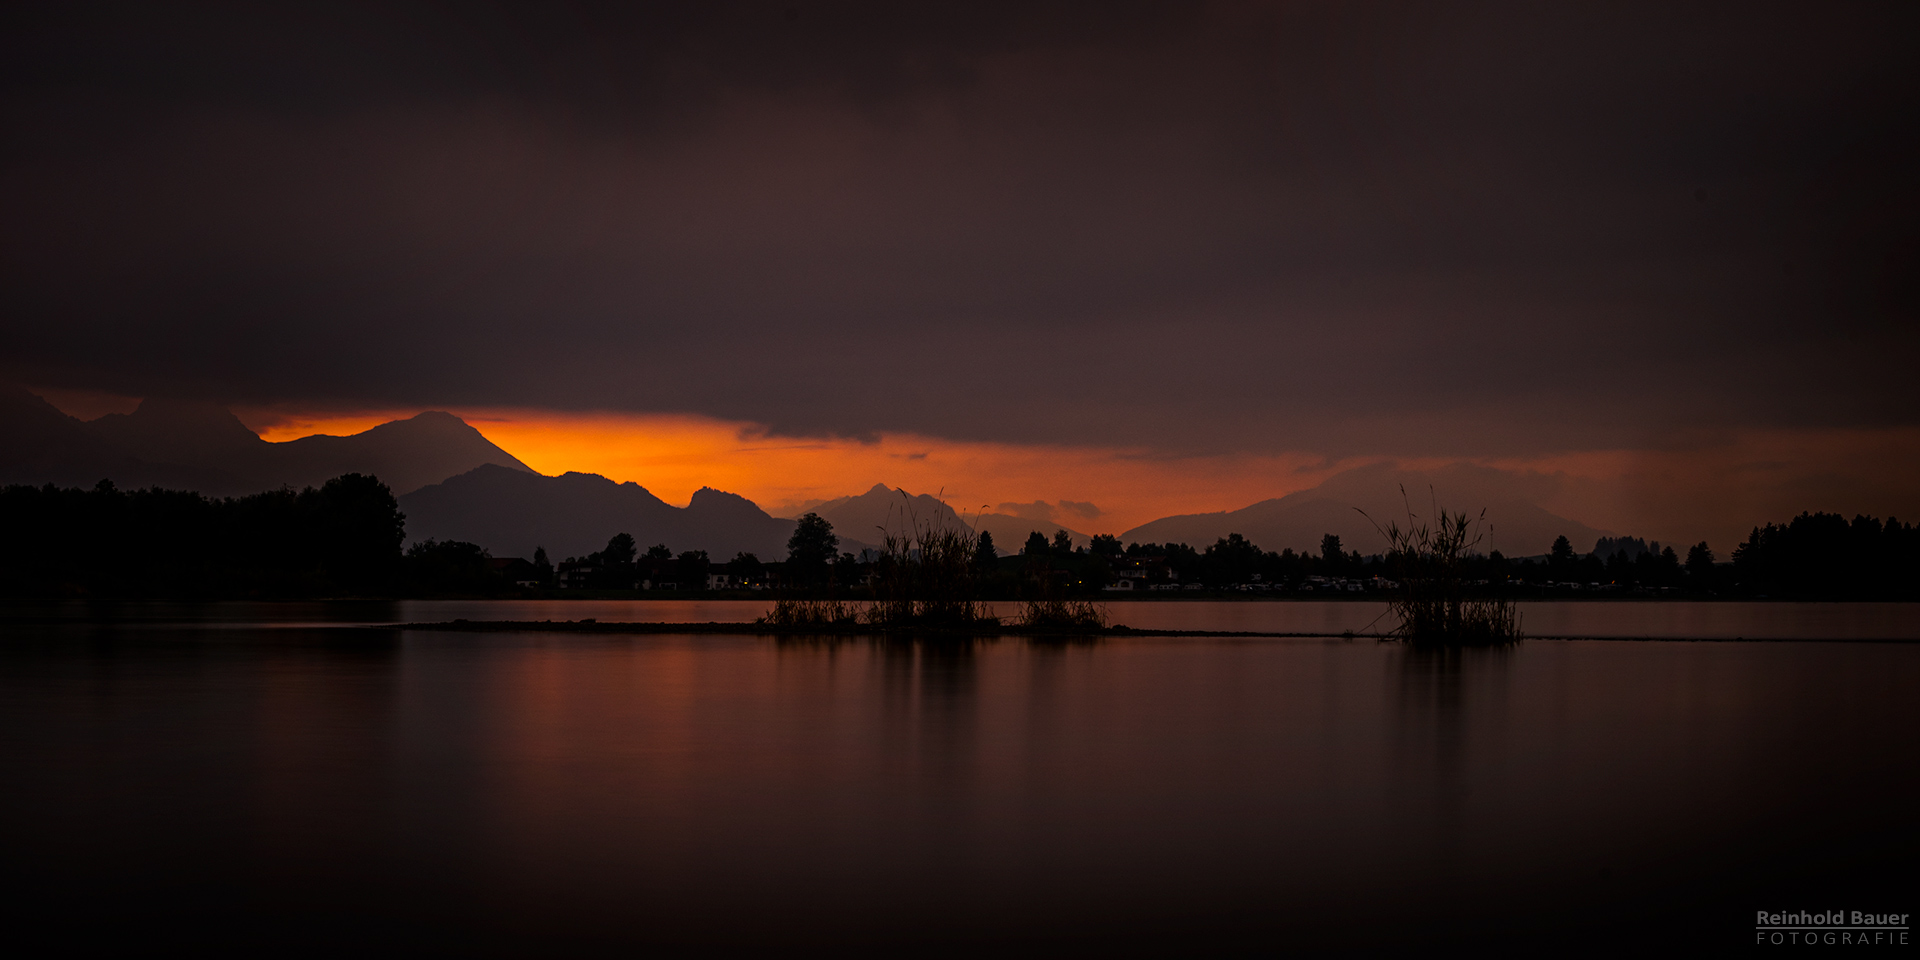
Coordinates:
[1611,619]
[256,777]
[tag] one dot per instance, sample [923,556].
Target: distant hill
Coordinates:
[1520,527]
[454,483]
[1633,547]
[39,444]
[511,512]
[1010,533]
[867,518]
[202,446]
[407,454]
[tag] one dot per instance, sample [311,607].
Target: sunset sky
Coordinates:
[1126,259]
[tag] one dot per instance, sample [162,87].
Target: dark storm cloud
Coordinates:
[1412,229]
[1063,511]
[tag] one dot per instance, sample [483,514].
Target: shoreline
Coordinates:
[717,628]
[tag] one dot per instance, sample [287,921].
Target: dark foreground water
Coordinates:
[246,783]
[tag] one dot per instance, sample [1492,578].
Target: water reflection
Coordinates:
[948,686]
[1634,619]
[1436,684]
[1445,700]
[531,791]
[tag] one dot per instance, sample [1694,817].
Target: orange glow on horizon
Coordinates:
[673,455]
[1712,487]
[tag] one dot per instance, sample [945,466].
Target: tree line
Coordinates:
[1813,556]
[345,538]
[342,538]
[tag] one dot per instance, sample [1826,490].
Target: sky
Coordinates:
[1155,258]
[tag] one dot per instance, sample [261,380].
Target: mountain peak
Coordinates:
[886,510]
[433,420]
[406,454]
[1518,525]
[39,443]
[166,430]
[14,397]
[708,500]
[198,445]
[435,425]
[573,514]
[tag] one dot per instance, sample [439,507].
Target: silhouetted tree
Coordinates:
[1699,561]
[1667,570]
[620,549]
[450,566]
[846,570]
[543,568]
[343,538]
[1036,545]
[1062,543]
[1560,557]
[1825,556]
[1185,561]
[746,568]
[1105,545]
[617,569]
[1232,559]
[691,569]
[811,548]
[1333,559]
[360,529]
[658,551]
[985,556]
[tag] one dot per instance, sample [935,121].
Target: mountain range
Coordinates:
[453,483]
[1516,524]
[867,519]
[510,512]
[203,446]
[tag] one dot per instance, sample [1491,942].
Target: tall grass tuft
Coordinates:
[926,578]
[1434,607]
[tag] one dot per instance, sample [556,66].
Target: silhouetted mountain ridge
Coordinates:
[870,516]
[183,432]
[510,513]
[456,484]
[1518,525]
[882,510]
[202,446]
[40,444]
[408,454]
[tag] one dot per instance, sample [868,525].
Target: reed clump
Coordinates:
[806,614]
[925,578]
[1434,607]
[1053,615]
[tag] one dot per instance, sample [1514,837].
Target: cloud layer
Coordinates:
[1426,231]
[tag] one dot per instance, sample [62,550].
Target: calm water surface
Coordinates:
[221,778]
[1557,618]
